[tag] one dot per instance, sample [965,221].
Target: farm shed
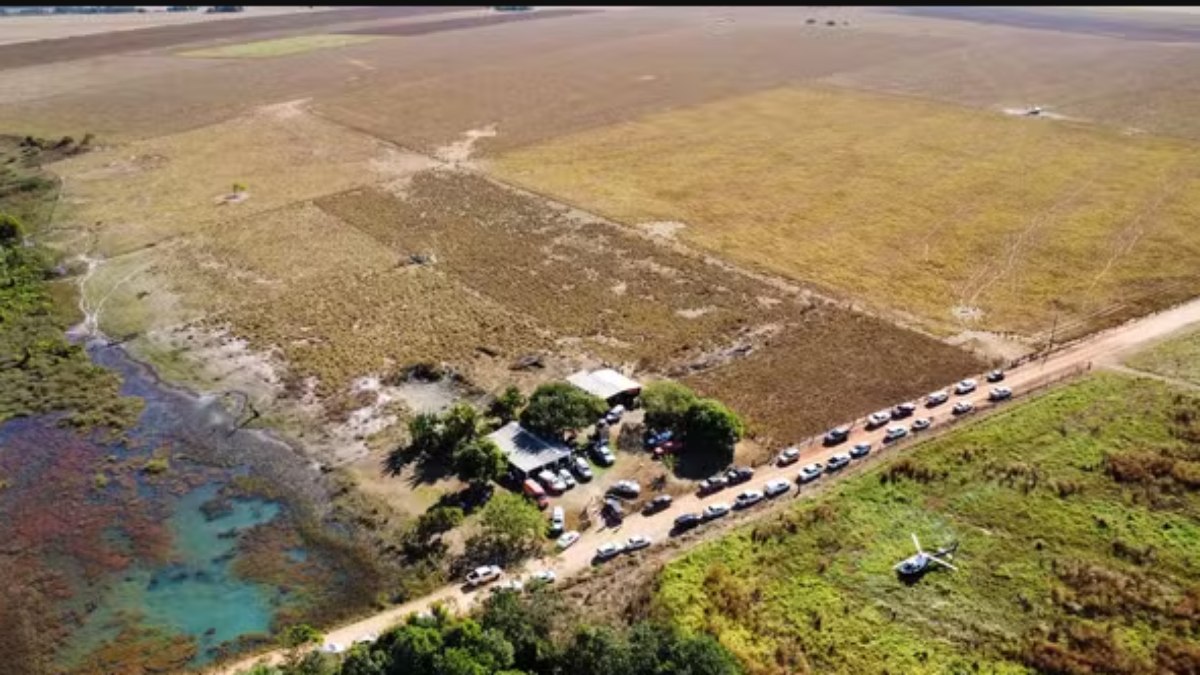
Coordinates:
[608,384]
[527,453]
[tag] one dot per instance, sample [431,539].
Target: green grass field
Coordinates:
[1079,522]
[280,47]
[1178,357]
[961,217]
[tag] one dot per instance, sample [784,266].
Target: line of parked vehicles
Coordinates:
[895,432]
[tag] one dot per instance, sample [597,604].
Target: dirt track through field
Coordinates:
[90,46]
[1099,350]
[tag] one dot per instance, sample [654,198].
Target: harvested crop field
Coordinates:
[832,368]
[427,27]
[1128,84]
[603,68]
[632,299]
[979,220]
[102,44]
[279,47]
[613,292]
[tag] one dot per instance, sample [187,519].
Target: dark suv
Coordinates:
[739,474]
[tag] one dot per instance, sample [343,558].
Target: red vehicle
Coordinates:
[669,448]
[535,492]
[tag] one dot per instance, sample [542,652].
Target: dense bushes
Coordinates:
[515,634]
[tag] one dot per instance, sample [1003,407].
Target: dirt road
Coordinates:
[1096,351]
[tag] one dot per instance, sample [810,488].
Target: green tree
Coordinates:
[712,430]
[299,635]
[557,407]
[510,526]
[666,403]
[437,520]
[460,425]
[12,232]
[425,434]
[480,461]
[655,649]
[596,650]
[414,648]
[508,404]
[364,659]
[527,622]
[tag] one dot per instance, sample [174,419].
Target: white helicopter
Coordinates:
[919,563]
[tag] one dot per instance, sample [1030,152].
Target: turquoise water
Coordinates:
[195,594]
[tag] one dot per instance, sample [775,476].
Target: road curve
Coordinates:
[1098,350]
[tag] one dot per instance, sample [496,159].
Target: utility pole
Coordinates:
[1050,345]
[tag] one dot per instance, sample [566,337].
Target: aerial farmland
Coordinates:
[280,276]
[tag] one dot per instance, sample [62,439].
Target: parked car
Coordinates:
[936,398]
[566,540]
[565,476]
[551,481]
[582,469]
[535,492]
[603,455]
[837,435]
[510,586]
[999,394]
[837,463]
[687,521]
[894,433]
[333,648]
[965,386]
[657,438]
[903,410]
[715,510]
[747,498]
[996,375]
[483,575]
[609,550]
[739,474]
[544,577]
[626,488]
[922,423]
[613,416]
[788,456]
[659,503]
[878,419]
[776,487]
[962,408]
[612,511]
[714,484]
[637,542]
[558,521]
[670,447]
[860,450]
[811,472]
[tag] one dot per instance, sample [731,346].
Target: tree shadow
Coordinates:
[470,499]
[698,466]
[425,468]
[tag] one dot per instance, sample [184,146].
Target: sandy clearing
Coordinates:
[1103,348]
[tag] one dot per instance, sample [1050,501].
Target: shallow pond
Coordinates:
[155,534]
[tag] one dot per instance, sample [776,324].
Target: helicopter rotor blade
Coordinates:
[943,562]
[916,543]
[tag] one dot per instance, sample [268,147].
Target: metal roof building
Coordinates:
[606,383]
[526,452]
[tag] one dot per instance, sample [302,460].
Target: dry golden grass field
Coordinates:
[965,218]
